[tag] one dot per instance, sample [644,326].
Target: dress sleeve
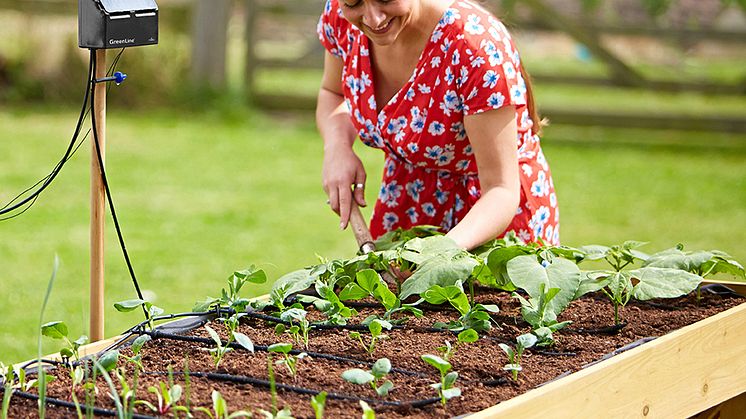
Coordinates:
[490,72]
[333,29]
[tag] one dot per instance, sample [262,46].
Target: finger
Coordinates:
[359,188]
[345,199]
[334,200]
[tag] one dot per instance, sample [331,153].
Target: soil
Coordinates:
[481,378]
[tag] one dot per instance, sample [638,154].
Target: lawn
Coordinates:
[202,194]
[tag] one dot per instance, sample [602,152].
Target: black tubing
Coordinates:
[608,330]
[83,407]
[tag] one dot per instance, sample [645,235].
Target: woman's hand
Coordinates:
[343,177]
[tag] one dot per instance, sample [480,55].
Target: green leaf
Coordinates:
[81,340]
[663,283]
[280,347]
[497,262]
[54,330]
[128,305]
[139,342]
[387,386]
[317,403]
[213,335]
[108,361]
[452,294]
[507,349]
[368,412]
[381,368]
[468,336]
[352,291]
[244,341]
[205,305]
[419,250]
[443,269]
[450,393]
[439,363]
[526,340]
[368,279]
[219,405]
[66,352]
[592,281]
[595,252]
[527,273]
[291,283]
[358,376]
[252,274]
[450,379]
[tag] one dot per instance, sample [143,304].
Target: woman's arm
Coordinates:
[342,168]
[493,137]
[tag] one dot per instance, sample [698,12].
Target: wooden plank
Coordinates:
[646,120]
[676,375]
[737,286]
[735,89]
[729,409]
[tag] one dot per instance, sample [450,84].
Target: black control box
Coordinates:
[117,23]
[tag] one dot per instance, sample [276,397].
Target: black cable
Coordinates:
[68,155]
[117,227]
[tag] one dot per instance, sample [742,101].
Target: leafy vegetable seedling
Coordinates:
[538,313]
[466,336]
[58,330]
[130,305]
[318,403]
[220,349]
[290,361]
[445,388]
[514,356]
[299,328]
[220,409]
[375,327]
[230,298]
[378,372]
[472,317]
[167,395]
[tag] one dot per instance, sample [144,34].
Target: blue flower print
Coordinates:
[494,55]
[428,208]
[409,95]
[390,219]
[542,160]
[509,70]
[468,150]
[437,34]
[496,100]
[414,189]
[518,95]
[441,196]
[436,128]
[449,77]
[458,203]
[540,187]
[412,214]
[553,200]
[433,152]
[372,102]
[435,61]
[418,120]
[490,79]
[455,58]
[447,222]
[527,170]
[363,51]
[390,167]
[413,148]
[451,15]
[462,165]
[450,102]
[474,192]
[477,62]
[424,89]
[459,129]
[390,194]
[445,46]
[473,26]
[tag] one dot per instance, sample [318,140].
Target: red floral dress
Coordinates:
[468,66]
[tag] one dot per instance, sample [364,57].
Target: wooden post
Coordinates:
[250,38]
[209,42]
[98,206]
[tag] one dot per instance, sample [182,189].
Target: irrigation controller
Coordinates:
[106,24]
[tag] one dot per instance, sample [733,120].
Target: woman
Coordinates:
[438,86]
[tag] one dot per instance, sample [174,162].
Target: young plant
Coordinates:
[475,317]
[220,349]
[6,376]
[58,330]
[275,414]
[377,373]
[220,409]
[230,298]
[168,395]
[445,388]
[514,355]
[375,327]
[466,336]
[290,361]
[368,283]
[299,325]
[538,312]
[318,403]
[368,412]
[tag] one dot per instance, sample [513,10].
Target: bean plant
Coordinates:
[474,317]
[7,377]
[375,377]
[230,297]
[466,336]
[318,404]
[446,387]
[523,342]
[538,312]
[368,412]
[299,328]
[130,305]
[221,348]
[220,409]
[290,361]
[375,327]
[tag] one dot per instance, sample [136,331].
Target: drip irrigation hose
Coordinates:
[108,191]
[608,330]
[263,348]
[83,407]
[244,379]
[354,327]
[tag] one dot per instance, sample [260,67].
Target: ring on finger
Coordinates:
[328,202]
[358,186]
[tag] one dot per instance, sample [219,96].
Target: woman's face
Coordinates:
[380,20]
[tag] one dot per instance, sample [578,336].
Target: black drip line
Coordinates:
[83,407]
[353,327]
[243,379]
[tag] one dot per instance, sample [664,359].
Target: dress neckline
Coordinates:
[426,50]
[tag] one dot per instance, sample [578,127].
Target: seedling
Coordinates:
[466,336]
[445,388]
[220,409]
[377,373]
[220,349]
[368,412]
[368,283]
[318,403]
[299,328]
[514,355]
[290,361]
[230,298]
[472,317]
[58,330]
[168,395]
[6,375]
[537,313]
[375,326]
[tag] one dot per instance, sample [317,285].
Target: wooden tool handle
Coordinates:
[360,228]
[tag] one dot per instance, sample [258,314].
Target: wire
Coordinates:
[47,180]
[105,181]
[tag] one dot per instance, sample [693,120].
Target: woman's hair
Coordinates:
[533,111]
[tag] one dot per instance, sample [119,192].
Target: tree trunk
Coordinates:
[209,42]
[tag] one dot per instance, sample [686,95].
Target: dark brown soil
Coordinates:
[481,377]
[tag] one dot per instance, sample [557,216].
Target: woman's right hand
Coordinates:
[343,177]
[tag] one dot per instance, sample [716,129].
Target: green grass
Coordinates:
[202,194]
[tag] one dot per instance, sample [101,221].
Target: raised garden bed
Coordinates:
[692,364]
